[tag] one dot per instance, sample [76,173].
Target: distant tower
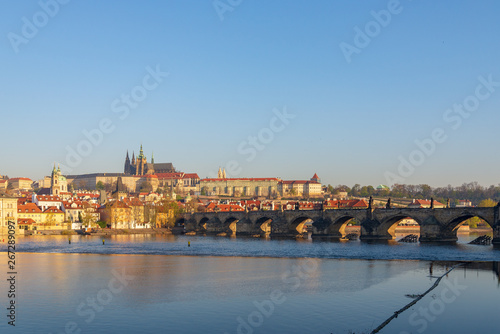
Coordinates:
[152,158]
[133,158]
[219,174]
[120,191]
[127,169]
[316,178]
[224,173]
[58,182]
[141,163]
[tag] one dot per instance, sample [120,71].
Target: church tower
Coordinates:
[127,169]
[141,163]
[58,182]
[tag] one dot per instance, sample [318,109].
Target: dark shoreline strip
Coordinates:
[395,315]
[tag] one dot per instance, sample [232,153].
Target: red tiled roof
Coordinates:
[25,221]
[48,198]
[244,179]
[28,208]
[20,179]
[315,176]
[191,176]
[52,209]
[120,205]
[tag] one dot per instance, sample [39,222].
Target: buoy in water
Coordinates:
[103,241]
[189,243]
[69,241]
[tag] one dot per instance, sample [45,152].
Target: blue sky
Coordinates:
[353,121]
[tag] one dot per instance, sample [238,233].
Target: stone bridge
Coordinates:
[376,224]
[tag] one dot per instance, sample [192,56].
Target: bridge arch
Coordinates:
[301,224]
[230,225]
[202,224]
[336,228]
[263,225]
[454,224]
[388,226]
[181,222]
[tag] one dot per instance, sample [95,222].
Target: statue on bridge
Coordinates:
[432,203]
[388,204]
[370,203]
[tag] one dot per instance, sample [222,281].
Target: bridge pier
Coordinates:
[496,235]
[434,233]
[372,230]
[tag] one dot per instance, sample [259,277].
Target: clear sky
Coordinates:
[355,83]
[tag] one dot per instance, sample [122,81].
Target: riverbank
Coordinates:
[103,232]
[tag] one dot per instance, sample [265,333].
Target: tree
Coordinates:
[99,185]
[487,203]
[293,192]
[356,190]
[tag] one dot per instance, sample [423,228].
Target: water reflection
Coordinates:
[193,294]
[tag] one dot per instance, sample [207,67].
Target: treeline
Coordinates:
[468,191]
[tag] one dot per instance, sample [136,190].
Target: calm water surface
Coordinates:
[226,285]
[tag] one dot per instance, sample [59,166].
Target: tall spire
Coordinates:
[152,157]
[127,164]
[133,158]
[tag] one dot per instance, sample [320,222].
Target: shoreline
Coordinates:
[102,232]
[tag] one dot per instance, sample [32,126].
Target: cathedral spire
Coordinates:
[152,157]
[133,158]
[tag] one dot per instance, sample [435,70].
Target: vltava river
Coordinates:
[225,285]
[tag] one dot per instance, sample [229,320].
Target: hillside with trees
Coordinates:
[471,191]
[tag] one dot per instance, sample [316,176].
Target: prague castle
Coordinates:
[138,175]
[140,166]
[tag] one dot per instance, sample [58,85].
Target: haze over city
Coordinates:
[362,83]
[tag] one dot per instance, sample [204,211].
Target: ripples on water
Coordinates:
[256,247]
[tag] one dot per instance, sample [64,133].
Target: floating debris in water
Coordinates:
[482,240]
[409,238]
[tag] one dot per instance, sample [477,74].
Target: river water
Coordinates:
[180,284]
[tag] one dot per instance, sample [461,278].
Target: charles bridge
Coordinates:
[436,224]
